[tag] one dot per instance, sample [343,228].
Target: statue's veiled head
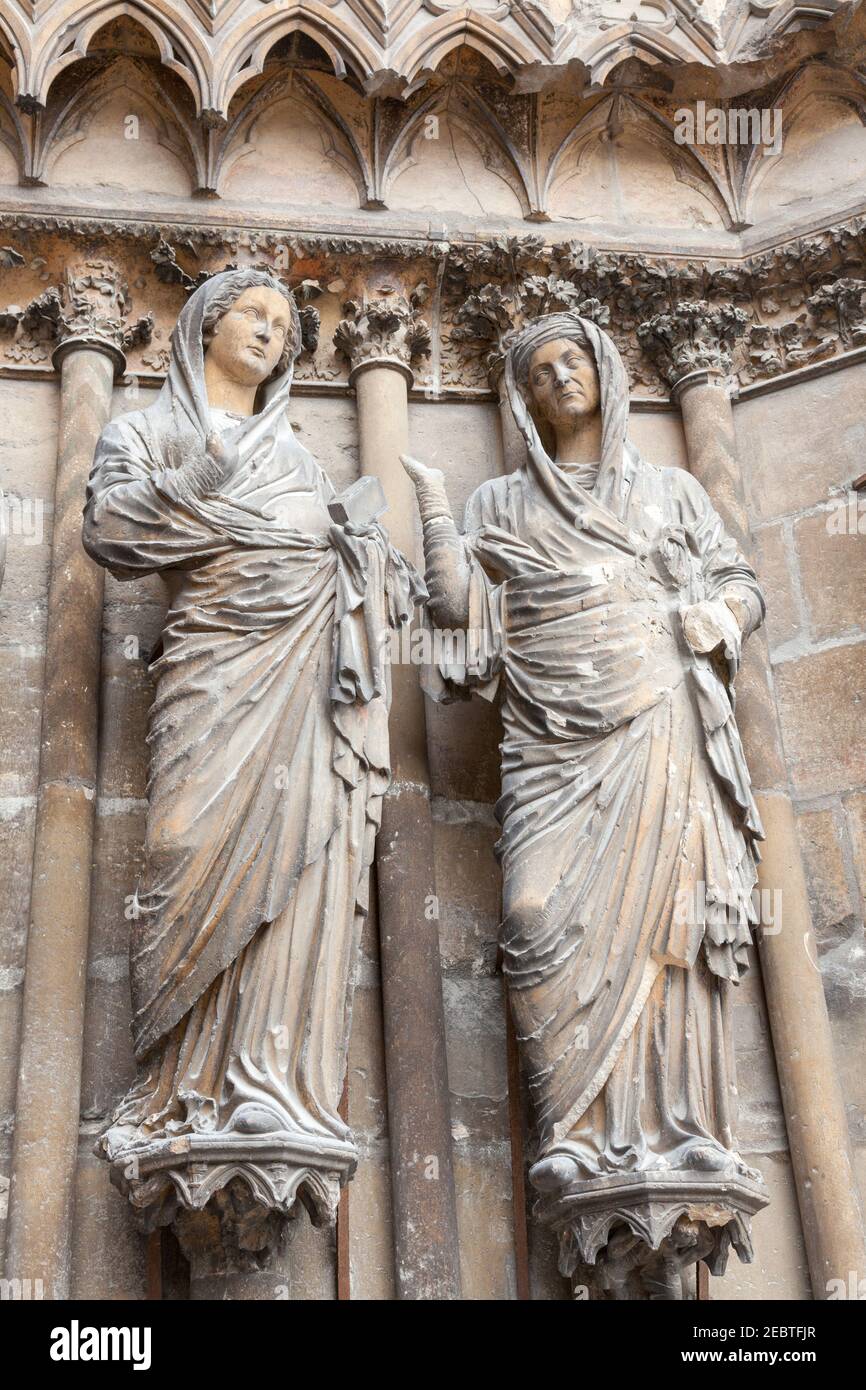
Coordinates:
[250,328]
[568,390]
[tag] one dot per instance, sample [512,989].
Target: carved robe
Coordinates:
[629,831]
[269,758]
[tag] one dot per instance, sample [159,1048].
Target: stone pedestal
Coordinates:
[635,1236]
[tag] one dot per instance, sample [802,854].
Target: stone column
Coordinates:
[88,313]
[4,522]
[380,336]
[692,347]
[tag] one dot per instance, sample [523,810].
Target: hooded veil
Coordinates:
[269,760]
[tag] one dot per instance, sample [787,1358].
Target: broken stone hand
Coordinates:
[711,624]
[429,484]
[447,573]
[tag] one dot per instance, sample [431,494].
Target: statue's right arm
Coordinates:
[204,471]
[447,571]
[136,518]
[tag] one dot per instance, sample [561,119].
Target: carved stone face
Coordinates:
[563,382]
[249,338]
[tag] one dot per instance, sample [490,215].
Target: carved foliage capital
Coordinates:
[90,308]
[386,330]
[842,306]
[693,336]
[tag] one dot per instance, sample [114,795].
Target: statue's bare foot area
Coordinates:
[707,1158]
[256,1119]
[551,1173]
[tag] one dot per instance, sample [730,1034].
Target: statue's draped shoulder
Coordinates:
[494,503]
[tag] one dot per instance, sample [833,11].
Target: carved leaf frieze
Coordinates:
[803,301]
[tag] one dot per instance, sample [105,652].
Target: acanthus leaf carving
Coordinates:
[90,307]
[801,344]
[10,317]
[843,305]
[694,336]
[382,330]
[487,287]
[164,257]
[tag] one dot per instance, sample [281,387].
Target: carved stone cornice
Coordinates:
[803,300]
[383,331]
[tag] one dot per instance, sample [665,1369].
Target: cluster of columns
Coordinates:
[426,1251]
[89,356]
[808,1075]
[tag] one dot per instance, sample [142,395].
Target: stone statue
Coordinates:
[269,760]
[605,596]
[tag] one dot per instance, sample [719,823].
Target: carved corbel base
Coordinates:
[633,1236]
[242,1189]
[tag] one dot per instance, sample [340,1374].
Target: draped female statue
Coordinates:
[605,598]
[269,759]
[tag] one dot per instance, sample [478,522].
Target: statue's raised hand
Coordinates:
[429,484]
[221,460]
[208,470]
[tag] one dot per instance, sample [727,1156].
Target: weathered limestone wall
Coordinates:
[804,447]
